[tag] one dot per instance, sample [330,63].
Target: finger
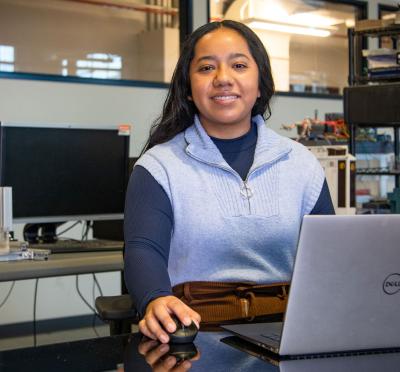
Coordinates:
[164,317]
[167,364]
[182,367]
[153,356]
[182,311]
[196,318]
[185,314]
[145,330]
[145,346]
[155,328]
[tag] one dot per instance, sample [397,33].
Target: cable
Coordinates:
[81,296]
[97,284]
[7,295]
[34,312]
[83,231]
[88,226]
[69,228]
[87,303]
[94,315]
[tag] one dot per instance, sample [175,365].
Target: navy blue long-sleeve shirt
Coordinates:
[149,222]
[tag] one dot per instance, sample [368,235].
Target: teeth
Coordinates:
[225,98]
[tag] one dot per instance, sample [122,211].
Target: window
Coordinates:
[98,65]
[6,58]
[103,39]
[387,11]
[306,40]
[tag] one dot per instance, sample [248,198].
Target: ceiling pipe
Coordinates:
[152,9]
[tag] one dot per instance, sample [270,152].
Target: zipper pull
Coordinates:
[246,192]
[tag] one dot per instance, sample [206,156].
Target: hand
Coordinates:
[157,319]
[156,355]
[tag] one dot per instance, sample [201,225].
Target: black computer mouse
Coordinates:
[182,351]
[183,334]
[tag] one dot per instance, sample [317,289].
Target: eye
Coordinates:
[206,68]
[239,66]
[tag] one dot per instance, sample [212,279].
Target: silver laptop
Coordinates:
[361,362]
[385,362]
[345,289]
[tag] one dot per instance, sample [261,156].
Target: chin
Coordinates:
[233,121]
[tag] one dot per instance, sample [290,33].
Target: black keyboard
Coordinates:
[79,246]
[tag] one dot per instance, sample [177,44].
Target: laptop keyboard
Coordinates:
[272,336]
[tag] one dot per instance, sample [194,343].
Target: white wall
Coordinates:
[288,110]
[26,101]
[56,297]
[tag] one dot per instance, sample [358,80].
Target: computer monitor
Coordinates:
[64,172]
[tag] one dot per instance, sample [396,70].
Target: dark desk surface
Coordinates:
[121,353]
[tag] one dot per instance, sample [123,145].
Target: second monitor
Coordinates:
[62,173]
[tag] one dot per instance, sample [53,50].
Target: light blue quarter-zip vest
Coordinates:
[227,229]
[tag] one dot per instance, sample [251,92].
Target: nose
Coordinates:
[222,76]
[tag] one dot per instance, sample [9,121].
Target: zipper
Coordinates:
[246,190]
[246,193]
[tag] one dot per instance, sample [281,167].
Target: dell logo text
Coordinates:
[391,284]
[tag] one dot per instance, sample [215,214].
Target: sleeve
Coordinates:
[148,225]
[324,203]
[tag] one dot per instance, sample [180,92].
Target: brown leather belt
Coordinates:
[230,302]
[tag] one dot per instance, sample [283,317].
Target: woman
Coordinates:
[216,196]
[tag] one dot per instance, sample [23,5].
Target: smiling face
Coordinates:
[224,81]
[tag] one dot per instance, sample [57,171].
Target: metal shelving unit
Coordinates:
[357,65]
[373,101]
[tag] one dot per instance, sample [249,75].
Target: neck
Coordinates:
[226,131]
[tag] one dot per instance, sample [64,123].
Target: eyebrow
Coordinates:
[231,56]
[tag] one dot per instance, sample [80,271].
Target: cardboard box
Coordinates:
[371,24]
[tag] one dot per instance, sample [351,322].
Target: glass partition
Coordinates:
[104,39]
[306,40]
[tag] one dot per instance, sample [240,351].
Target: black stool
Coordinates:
[118,311]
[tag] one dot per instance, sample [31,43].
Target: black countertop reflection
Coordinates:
[100,354]
[121,353]
[131,353]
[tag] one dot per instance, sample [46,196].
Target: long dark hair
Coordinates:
[178,111]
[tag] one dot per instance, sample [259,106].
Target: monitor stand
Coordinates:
[41,232]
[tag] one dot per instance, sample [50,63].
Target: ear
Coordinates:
[190,98]
[258,94]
